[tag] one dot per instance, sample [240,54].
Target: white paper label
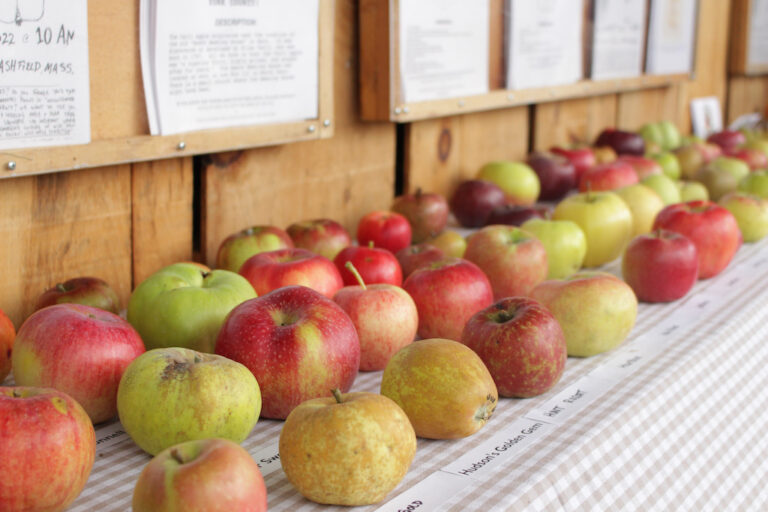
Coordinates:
[671,36]
[427,495]
[618,37]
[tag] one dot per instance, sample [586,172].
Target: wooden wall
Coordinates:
[123,222]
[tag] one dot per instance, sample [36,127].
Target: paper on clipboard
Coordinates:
[671,37]
[618,39]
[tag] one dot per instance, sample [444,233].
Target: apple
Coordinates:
[521,343]
[652,134]
[446,294]
[713,229]
[271,270]
[427,212]
[80,350]
[325,237]
[90,291]
[415,256]
[350,449]
[451,242]
[374,264]
[671,135]
[518,181]
[565,243]
[608,176]
[727,139]
[183,306]
[215,475]
[443,386]
[644,203]
[297,342]
[48,446]
[690,160]
[751,213]
[581,157]
[717,181]
[473,201]
[384,316]
[387,230]
[669,163]
[171,395]
[621,141]
[238,247]
[513,260]
[604,154]
[664,186]
[661,266]
[596,310]
[604,218]
[7,335]
[692,191]
[516,214]
[557,175]
[754,158]
[756,182]
[758,144]
[643,166]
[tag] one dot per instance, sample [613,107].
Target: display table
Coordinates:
[674,418]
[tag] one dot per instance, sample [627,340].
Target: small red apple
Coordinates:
[90,291]
[374,264]
[387,230]
[271,270]
[325,237]
[427,212]
[418,255]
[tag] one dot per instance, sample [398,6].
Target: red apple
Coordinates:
[727,139]
[521,343]
[418,255]
[446,294]
[7,335]
[427,213]
[556,173]
[296,342]
[582,157]
[712,228]
[325,237]
[621,141]
[661,266]
[755,158]
[514,260]
[374,264]
[387,230]
[238,247]
[90,291]
[517,214]
[268,271]
[80,350]
[385,317]
[48,446]
[643,166]
[610,176]
[215,475]
[473,201]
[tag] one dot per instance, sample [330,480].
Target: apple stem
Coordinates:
[349,266]
[198,358]
[61,287]
[177,456]
[204,273]
[370,244]
[16,393]
[336,394]
[418,193]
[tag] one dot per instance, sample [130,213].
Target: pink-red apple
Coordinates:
[90,291]
[374,264]
[582,157]
[728,140]
[387,230]
[474,200]
[608,176]
[271,270]
[418,255]
[7,335]
[325,237]
[643,166]
[426,211]
[238,247]
[755,158]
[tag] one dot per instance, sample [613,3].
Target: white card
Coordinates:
[618,39]
[671,37]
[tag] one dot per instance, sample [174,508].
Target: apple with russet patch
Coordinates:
[387,230]
[518,181]
[557,175]
[7,335]
[722,175]
[751,213]
[238,247]
[565,243]
[325,237]
[644,203]
[374,264]
[426,211]
[271,270]
[418,255]
[608,176]
[91,291]
[473,201]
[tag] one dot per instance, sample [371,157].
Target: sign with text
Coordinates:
[671,37]
[618,39]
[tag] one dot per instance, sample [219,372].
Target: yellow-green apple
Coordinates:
[727,139]
[513,260]
[735,166]
[384,316]
[238,247]
[669,163]
[7,335]
[661,266]
[521,343]
[48,446]
[622,141]
[325,237]
[214,475]
[350,449]
[754,158]
[557,175]
[670,133]
[376,265]
[596,310]
[664,186]
[271,270]
[80,350]
[182,305]
[518,181]
[297,342]
[516,214]
[418,255]
[643,166]
[604,218]
[690,160]
[171,395]
[751,213]
[644,203]
[608,176]
[443,386]
[447,292]
[90,291]
[712,228]
[604,154]
[451,242]
[692,191]
[582,157]
[565,243]
[387,230]
[759,144]
[426,211]
[473,200]
[756,182]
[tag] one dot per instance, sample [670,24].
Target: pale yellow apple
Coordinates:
[452,243]
[644,203]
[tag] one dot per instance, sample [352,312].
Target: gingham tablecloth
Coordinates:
[676,418]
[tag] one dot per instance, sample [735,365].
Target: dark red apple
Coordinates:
[427,213]
[474,200]
[418,255]
[727,139]
[387,230]
[621,141]
[374,264]
[556,173]
[608,176]
[516,214]
[582,157]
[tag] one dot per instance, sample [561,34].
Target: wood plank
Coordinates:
[745,95]
[639,107]
[571,121]
[375,53]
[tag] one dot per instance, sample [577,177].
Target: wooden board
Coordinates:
[746,95]
[634,109]
[571,121]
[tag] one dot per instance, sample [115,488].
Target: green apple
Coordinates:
[669,164]
[651,133]
[518,181]
[736,166]
[564,241]
[664,186]
[605,219]
[717,181]
[182,305]
[751,214]
[670,135]
[692,191]
[644,203]
[168,396]
[238,247]
[755,183]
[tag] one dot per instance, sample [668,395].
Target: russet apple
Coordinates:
[427,213]
[7,335]
[751,213]
[238,247]
[271,270]
[565,243]
[90,291]
[418,255]
[387,230]
[443,386]
[374,264]
[722,176]
[518,181]
[325,237]
[644,203]
[473,200]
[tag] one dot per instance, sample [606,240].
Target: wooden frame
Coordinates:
[739,44]
[123,100]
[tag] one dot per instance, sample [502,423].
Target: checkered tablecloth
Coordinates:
[676,418]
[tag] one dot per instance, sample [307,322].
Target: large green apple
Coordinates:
[751,214]
[518,181]
[564,241]
[756,183]
[172,395]
[664,186]
[644,203]
[184,306]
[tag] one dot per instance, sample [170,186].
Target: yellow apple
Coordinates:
[644,203]
[452,243]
